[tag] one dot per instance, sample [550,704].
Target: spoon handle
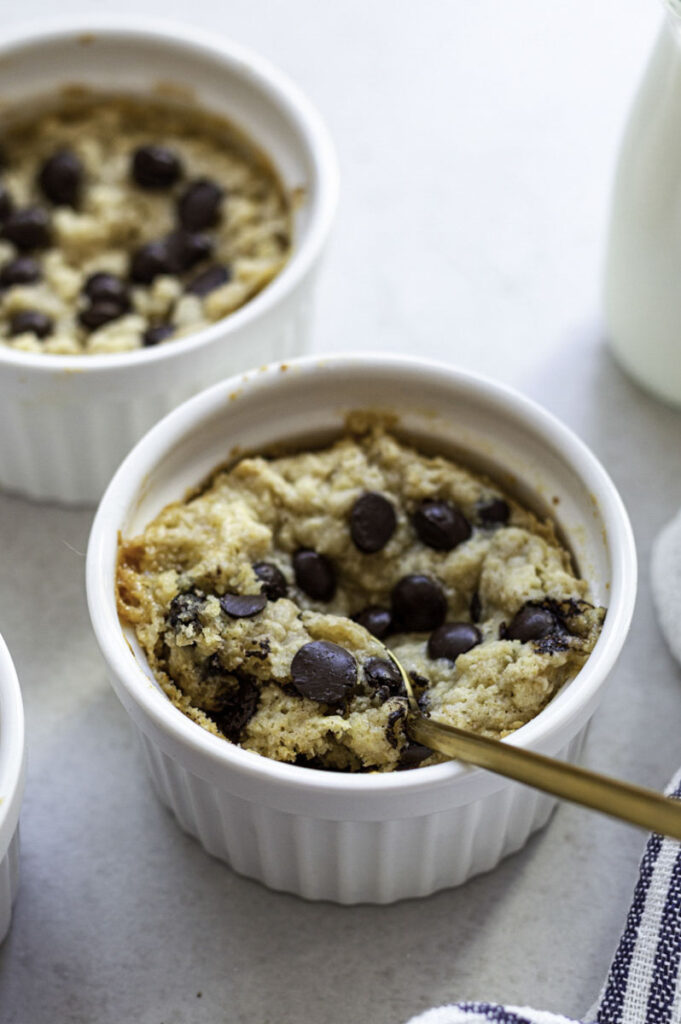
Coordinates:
[635,804]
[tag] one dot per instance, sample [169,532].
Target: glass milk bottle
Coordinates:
[642,298]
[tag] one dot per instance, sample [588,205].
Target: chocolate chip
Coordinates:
[22,270]
[6,203]
[453,639]
[210,279]
[199,205]
[184,609]
[495,512]
[238,705]
[103,287]
[185,249]
[98,314]
[476,607]
[156,334]
[242,606]
[378,621]
[531,623]
[177,252]
[423,699]
[314,574]
[155,167]
[418,682]
[61,178]
[273,581]
[372,522]
[394,730]
[149,262]
[324,672]
[413,754]
[383,676]
[30,321]
[27,228]
[440,525]
[418,604]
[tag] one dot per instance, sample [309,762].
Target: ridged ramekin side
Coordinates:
[352,861]
[62,440]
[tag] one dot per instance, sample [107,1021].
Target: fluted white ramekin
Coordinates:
[12,773]
[380,837]
[67,421]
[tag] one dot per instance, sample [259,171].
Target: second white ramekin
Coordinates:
[67,421]
[12,775]
[360,838]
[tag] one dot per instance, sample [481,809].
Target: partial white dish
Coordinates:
[12,774]
[67,421]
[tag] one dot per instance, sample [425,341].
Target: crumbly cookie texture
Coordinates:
[257,600]
[127,223]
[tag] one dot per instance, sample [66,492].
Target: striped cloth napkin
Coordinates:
[643,985]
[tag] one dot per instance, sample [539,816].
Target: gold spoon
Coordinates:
[635,804]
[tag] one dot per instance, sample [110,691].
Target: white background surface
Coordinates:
[477,143]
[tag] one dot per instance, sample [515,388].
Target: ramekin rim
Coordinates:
[12,746]
[284,94]
[146,454]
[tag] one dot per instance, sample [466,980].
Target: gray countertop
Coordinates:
[477,145]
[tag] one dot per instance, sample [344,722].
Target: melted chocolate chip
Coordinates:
[199,205]
[98,314]
[22,270]
[103,287]
[149,262]
[184,249]
[495,512]
[440,525]
[324,672]
[156,334]
[155,167]
[213,666]
[314,574]
[453,639]
[177,252]
[184,609]
[383,676]
[61,178]
[210,279]
[273,581]
[418,604]
[372,522]
[378,621]
[242,606]
[27,228]
[395,723]
[238,706]
[531,623]
[30,321]
[413,754]
[6,203]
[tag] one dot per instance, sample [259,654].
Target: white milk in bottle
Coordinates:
[642,298]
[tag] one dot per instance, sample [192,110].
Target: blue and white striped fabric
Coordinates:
[644,981]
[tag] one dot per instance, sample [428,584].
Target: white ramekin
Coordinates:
[374,838]
[12,775]
[67,421]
